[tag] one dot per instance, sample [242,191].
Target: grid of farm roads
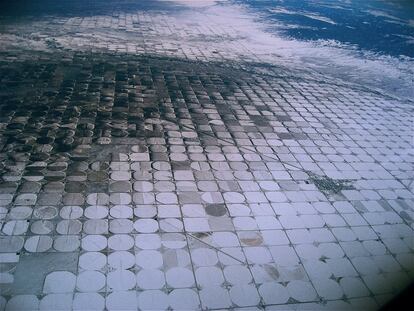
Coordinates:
[142,176]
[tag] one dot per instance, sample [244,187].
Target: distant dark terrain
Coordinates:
[385,27]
